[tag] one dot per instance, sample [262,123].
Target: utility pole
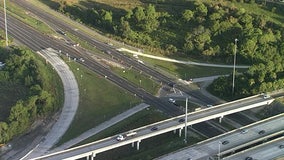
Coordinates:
[5,17]
[234,69]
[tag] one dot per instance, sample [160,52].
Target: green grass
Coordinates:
[83,43]
[99,101]
[140,79]
[189,71]
[256,9]
[27,17]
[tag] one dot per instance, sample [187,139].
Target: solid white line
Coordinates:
[29,152]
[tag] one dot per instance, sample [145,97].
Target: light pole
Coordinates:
[5,17]
[185,122]
[234,68]
[219,149]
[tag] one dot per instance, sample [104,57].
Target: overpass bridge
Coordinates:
[91,149]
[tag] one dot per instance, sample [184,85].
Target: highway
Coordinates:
[269,150]
[163,127]
[238,140]
[38,41]
[60,24]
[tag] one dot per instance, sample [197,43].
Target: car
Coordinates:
[225,142]
[266,96]
[281,146]
[154,128]
[209,105]
[249,158]
[261,132]
[172,100]
[120,138]
[61,32]
[244,131]
[181,120]
[171,84]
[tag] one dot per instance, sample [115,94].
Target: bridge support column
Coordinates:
[93,155]
[179,134]
[220,119]
[175,131]
[138,144]
[132,144]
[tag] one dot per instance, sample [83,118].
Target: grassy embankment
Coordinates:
[99,101]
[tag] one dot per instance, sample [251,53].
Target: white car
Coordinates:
[209,105]
[120,138]
[172,100]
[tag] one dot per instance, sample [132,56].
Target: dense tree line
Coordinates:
[204,30]
[23,68]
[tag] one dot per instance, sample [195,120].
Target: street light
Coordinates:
[219,149]
[185,123]
[234,68]
[5,22]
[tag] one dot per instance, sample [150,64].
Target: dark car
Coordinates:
[171,84]
[281,146]
[261,132]
[154,128]
[249,158]
[181,120]
[225,142]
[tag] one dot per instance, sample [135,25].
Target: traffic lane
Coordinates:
[206,129]
[270,150]
[234,139]
[237,117]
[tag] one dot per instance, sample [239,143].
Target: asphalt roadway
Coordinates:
[239,138]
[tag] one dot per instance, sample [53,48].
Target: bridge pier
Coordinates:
[220,119]
[132,144]
[91,157]
[138,144]
[180,132]
[175,131]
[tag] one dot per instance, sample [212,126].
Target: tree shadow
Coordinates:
[51,4]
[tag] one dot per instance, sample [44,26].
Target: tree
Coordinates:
[4,136]
[201,9]
[138,14]
[151,22]
[187,15]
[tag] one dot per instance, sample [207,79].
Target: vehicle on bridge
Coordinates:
[120,137]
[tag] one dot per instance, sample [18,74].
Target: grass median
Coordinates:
[99,101]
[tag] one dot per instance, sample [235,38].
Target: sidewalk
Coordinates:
[71,101]
[101,127]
